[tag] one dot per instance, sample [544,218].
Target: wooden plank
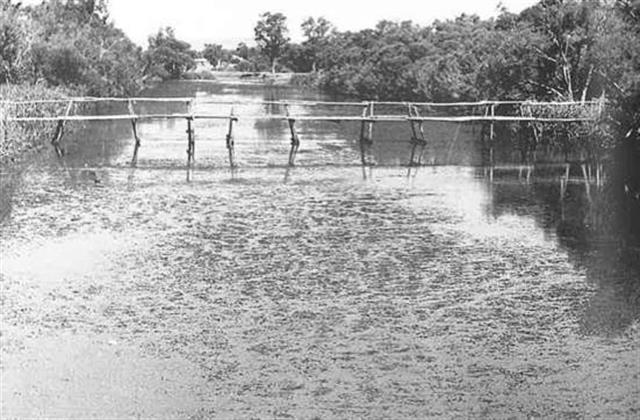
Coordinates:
[485,103]
[309,103]
[92,99]
[377,118]
[116,117]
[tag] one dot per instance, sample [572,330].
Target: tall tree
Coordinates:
[214,53]
[12,37]
[271,36]
[68,42]
[317,32]
[167,56]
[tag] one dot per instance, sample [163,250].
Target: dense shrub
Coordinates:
[18,139]
[67,43]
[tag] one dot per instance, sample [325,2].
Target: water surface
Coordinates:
[320,291]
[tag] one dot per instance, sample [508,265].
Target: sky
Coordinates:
[231,21]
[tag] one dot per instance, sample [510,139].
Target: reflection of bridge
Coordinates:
[414,113]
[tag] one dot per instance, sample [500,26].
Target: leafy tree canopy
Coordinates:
[271,36]
[167,56]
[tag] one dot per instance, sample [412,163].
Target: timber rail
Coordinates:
[412,114]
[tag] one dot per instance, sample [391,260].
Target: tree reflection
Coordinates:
[597,232]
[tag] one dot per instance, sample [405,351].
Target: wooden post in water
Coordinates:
[363,127]
[55,141]
[492,134]
[230,142]
[191,147]
[371,123]
[295,140]
[190,142]
[417,136]
[486,135]
[59,133]
[134,129]
[366,132]
[535,130]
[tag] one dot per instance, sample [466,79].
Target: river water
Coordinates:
[320,291]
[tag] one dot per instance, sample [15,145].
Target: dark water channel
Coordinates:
[320,291]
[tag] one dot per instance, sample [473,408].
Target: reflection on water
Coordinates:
[328,288]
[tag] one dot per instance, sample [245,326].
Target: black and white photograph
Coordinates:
[319,210]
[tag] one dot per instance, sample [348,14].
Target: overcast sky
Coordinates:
[231,21]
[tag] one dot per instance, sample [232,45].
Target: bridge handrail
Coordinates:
[376,118]
[293,102]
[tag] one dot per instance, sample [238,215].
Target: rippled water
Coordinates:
[320,291]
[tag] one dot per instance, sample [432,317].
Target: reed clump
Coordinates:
[19,139]
[587,140]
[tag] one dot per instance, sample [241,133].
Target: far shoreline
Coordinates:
[252,78]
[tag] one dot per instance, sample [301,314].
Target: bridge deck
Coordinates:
[410,112]
[368,116]
[334,118]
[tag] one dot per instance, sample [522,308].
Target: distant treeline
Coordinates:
[554,50]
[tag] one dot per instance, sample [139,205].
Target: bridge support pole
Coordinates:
[295,140]
[136,146]
[417,137]
[366,132]
[134,131]
[534,132]
[191,144]
[487,138]
[492,134]
[59,133]
[57,137]
[230,142]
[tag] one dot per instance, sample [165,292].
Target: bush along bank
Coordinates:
[18,140]
[54,50]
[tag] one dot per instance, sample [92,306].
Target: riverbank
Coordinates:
[254,78]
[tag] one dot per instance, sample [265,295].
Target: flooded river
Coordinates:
[320,291]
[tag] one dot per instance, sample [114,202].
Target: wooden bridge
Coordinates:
[413,113]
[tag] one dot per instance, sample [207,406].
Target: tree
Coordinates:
[68,43]
[242,51]
[297,58]
[271,36]
[11,41]
[60,65]
[214,53]
[317,32]
[167,56]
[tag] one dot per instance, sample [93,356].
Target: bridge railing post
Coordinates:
[417,135]
[59,132]
[134,130]
[366,131]
[295,139]
[191,141]
[230,142]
